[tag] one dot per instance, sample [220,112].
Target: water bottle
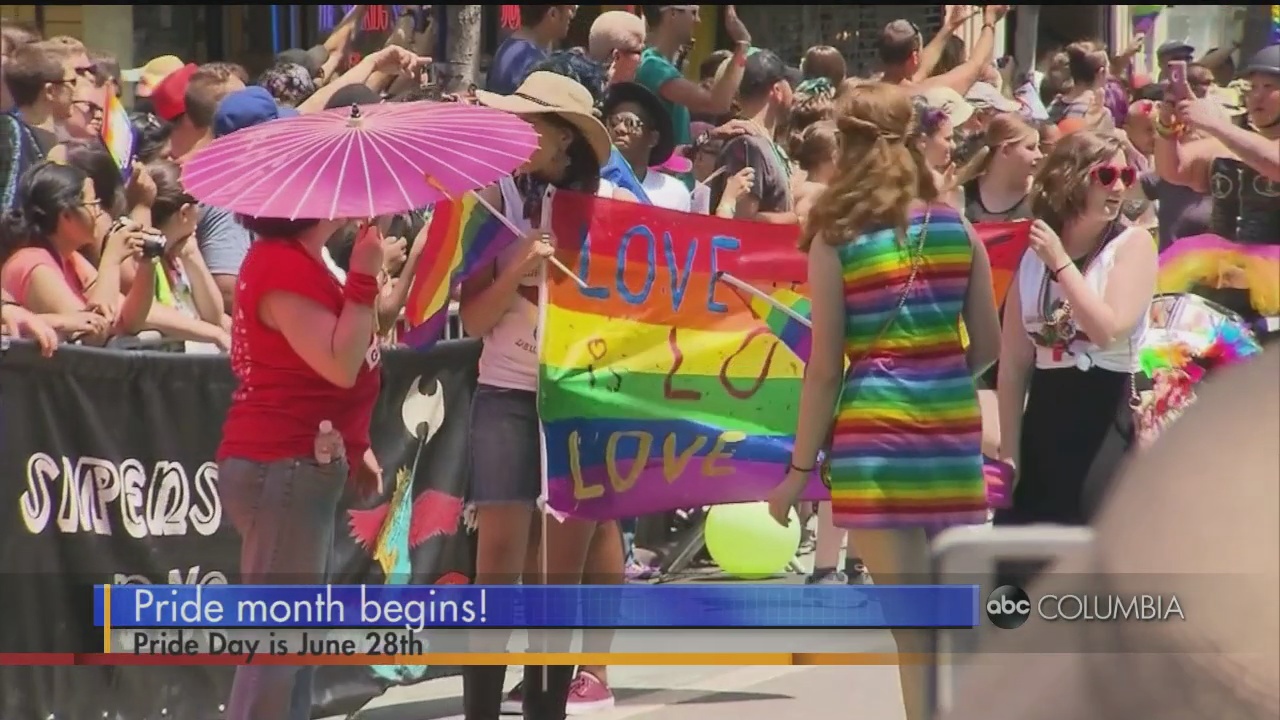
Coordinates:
[328,444]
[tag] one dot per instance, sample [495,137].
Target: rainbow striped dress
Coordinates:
[907,443]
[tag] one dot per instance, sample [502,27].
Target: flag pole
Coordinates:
[728,279]
[520,233]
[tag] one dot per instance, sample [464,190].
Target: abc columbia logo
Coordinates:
[1008,607]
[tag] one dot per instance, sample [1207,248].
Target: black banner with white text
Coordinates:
[108,476]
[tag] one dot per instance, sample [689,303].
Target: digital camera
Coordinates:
[153,246]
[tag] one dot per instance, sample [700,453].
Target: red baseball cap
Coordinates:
[1066,126]
[169,98]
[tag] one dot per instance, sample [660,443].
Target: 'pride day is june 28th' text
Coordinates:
[249,644]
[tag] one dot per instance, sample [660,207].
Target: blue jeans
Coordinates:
[284,512]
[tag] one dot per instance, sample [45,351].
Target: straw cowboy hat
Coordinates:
[545,92]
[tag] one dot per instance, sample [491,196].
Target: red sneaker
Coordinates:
[588,694]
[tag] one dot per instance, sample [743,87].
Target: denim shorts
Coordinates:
[506,446]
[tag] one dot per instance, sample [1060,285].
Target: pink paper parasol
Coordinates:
[359,162]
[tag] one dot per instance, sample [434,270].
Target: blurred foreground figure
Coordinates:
[1199,513]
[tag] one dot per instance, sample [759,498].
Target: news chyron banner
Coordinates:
[330,624]
[107,475]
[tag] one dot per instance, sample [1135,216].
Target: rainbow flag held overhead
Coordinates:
[462,237]
[658,387]
[117,132]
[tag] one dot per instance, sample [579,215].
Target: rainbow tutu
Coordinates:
[1213,261]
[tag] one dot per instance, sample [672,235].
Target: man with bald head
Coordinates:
[616,41]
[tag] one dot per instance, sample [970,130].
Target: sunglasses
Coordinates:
[147,121]
[629,121]
[1106,175]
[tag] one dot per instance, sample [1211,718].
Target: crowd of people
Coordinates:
[885,174]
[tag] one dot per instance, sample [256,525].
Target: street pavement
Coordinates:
[693,693]
[696,693]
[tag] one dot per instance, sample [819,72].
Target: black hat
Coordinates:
[629,92]
[1266,61]
[764,69]
[312,59]
[1175,47]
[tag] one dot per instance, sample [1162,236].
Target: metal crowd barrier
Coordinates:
[151,340]
[453,328]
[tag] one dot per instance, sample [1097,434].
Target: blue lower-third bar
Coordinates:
[552,606]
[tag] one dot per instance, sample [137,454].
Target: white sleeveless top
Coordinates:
[1120,356]
[509,358]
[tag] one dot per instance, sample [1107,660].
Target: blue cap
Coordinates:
[246,108]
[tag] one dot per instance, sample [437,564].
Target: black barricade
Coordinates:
[108,477]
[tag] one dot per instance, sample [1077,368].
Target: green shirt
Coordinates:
[654,72]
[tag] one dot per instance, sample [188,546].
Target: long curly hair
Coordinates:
[879,173]
[1061,187]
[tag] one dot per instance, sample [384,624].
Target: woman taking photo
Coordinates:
[892,271]
[303,354]
[58,213]
[501,307]
[1073,323]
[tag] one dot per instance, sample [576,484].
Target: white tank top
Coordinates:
[1120,356]
[509,358]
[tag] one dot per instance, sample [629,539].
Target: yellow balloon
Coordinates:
[746,542]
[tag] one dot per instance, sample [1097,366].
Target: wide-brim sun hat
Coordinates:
[546,93]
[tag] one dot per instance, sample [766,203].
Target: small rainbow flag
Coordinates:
[1006,242]
[786,314]
[463,237]
[117,132]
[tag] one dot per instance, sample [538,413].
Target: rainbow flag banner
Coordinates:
[462,237]
[659,389]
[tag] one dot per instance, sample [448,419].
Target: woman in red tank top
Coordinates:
[303,353]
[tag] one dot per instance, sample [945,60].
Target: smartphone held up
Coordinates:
[1178,89]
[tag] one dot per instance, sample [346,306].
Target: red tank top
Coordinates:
[280,402]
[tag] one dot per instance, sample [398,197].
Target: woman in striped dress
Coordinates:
[892,271]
